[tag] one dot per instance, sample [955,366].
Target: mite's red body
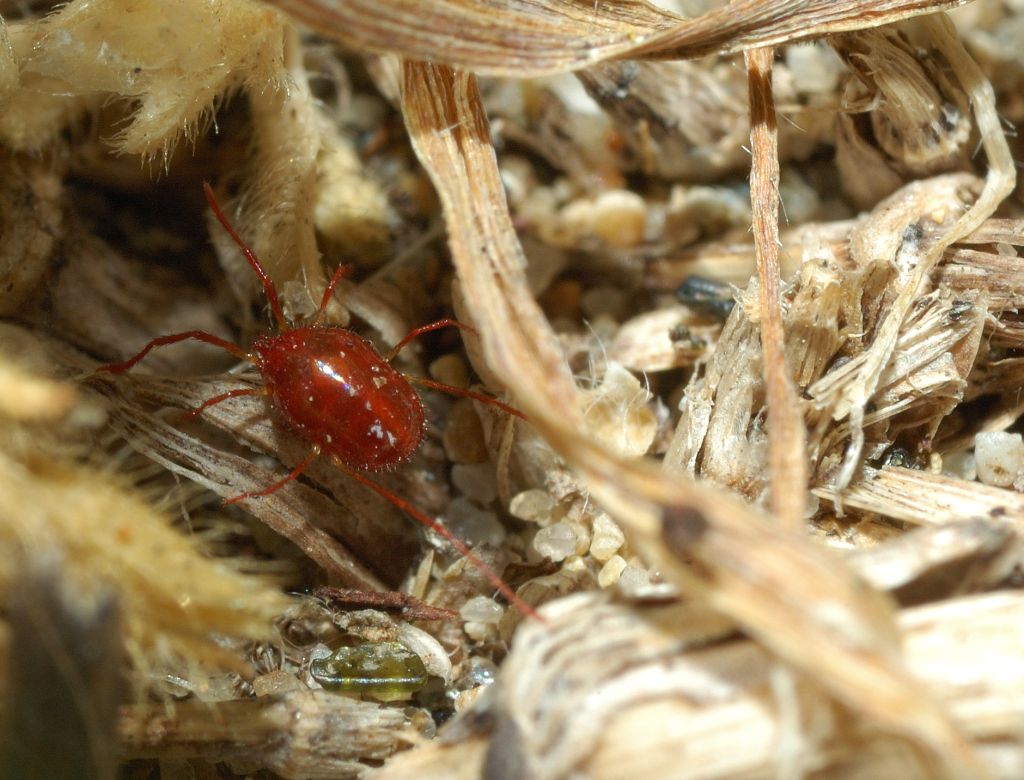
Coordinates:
[340,394]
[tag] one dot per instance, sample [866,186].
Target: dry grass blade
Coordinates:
[927,499]
[536,37]
[788,593]
[288,512]
[449,131]
[299,734]
[786,442]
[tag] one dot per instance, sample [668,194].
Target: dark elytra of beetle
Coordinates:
[337,391]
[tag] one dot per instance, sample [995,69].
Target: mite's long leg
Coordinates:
[192,413]
[448,322]
[451,390]
[268,284]
[341,272]
[428,522]
[174,338]
[294,474]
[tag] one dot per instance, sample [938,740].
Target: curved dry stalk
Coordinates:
[791,595]
[539,37]
[787,446]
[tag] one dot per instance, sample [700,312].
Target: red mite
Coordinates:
[339,393]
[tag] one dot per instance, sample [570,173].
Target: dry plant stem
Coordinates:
[537,37]
[202,464]
[367,528]
[409,607]
[673,705]
[786,445]
[998,184]
[929,564]
[928,499]
[449,125]
[797,599]
[303,734]
[287,141]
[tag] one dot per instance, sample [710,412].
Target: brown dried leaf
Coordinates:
[536,37]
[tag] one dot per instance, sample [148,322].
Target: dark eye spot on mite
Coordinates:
[681,528]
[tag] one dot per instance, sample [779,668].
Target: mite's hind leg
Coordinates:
[294,474]
[174,338]
[427,521]
[193,413]
[448,322]
[462,393]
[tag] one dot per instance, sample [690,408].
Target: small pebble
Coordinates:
[471,523]
[620,217]
[450,369]
[608,538]
[560,540]
[633,578]
[960,464]
[611,571]
[999,457]
[814,68]
[533,506]
[278,681]
[478,671]
[481,609]
[464,435]
[480,632]
[464,700]
[477,481]
[617,217]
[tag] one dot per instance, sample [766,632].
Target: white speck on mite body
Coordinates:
[377,430]
[379,382]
